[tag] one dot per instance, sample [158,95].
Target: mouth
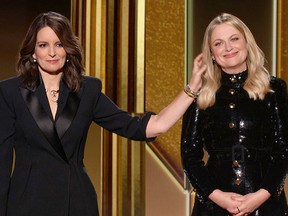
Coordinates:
[231,55]
[52,61]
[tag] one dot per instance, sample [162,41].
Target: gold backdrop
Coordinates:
[282,40]
[282,45]
[165,72]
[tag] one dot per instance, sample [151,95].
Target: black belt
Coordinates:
[239,153]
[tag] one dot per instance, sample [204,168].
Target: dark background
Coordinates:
[256,14]
[15,18]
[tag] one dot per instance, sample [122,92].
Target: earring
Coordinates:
[34,60]
[67,60]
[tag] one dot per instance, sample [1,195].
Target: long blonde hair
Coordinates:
[257,83]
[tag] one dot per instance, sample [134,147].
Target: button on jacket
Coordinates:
[49,178]
[246,142]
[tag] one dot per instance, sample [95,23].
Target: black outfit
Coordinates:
[49,178]
[246,142]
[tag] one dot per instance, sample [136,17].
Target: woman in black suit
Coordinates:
[45,115]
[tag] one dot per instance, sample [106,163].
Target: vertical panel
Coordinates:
[140,55]
[282,42]
[282,39]
[138,148]
[122,100]
[165,71]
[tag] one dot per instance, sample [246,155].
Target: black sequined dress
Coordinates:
[247,144]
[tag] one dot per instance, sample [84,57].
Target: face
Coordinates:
[49,52]
[229,48]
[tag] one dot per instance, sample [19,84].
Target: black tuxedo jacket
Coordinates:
[49,178]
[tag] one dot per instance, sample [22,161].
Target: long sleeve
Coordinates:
[277,171]
[112,118]
[6,149]
[192,154]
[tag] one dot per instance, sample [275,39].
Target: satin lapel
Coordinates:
[67,109]
[42,117]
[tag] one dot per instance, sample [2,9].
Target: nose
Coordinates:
[228,46]
[52,52]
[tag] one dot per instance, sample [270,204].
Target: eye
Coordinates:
[235,39]
[59,45]
[42,45]
[216,44]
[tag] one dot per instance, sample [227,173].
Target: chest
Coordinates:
[236,118]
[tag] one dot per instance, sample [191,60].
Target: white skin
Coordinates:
[51,57]
[229,50]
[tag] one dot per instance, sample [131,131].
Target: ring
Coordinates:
[238,210]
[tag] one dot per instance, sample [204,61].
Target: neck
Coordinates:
[235,70]
[51,81]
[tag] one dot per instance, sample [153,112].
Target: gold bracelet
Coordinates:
[191,93]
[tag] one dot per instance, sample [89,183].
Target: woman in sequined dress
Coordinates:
[240,120]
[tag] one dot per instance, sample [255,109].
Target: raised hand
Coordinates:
[198,70]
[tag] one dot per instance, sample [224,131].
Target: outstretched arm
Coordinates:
[168,116]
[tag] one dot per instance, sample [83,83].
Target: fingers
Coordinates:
[198,69]
[235,211]
[198,63]
[238,197]
[238,211]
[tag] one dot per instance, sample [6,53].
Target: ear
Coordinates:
[34,56]
[212,55]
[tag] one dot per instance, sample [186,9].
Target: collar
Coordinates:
[233,79]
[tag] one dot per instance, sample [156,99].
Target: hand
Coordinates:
[167,117]
[225,200]
[198,70]
[250,202]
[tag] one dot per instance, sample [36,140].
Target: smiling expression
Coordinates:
[49,52]
[229,48]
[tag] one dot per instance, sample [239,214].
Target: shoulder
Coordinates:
[277,84]
[279,88]
[92,84]
[89,80]
[9,88]
[10,84]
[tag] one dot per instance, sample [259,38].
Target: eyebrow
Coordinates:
[47,42]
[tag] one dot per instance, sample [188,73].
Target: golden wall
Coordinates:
[165,72]
[282,44]
[282,40]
